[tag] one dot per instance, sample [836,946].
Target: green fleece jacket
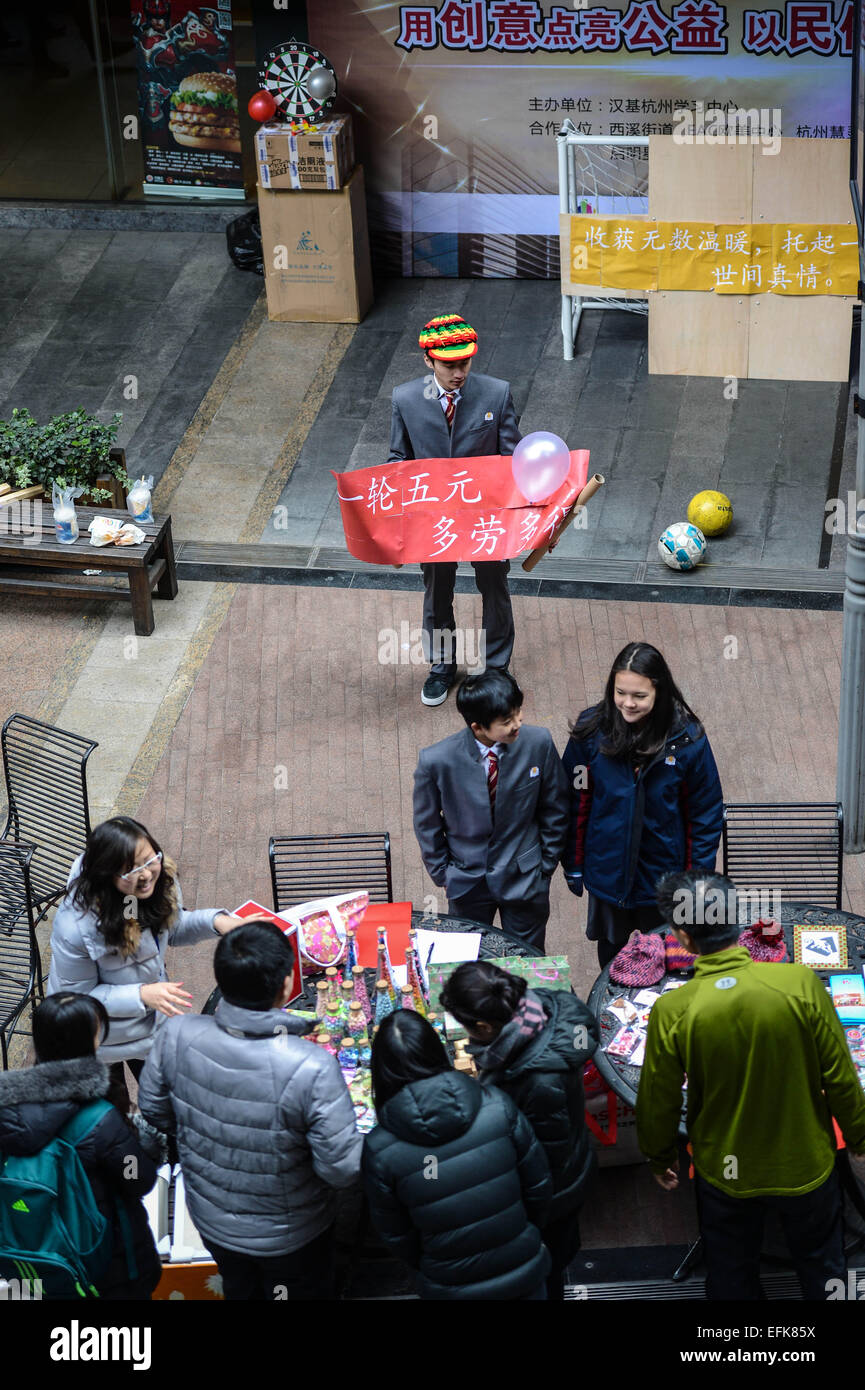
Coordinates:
[767,1067]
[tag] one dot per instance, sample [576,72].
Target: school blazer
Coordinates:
[461,842]
[419,430]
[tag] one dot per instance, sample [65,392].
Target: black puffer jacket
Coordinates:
[35,1104]
[457,1186]
[545,1079]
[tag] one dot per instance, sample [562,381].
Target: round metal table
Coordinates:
[623,1079]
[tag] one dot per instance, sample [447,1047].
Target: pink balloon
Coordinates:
[540,464]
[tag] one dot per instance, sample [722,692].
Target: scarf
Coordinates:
[525,1023]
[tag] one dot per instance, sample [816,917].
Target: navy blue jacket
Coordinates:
[626,831]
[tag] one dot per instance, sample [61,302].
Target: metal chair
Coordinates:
[46,785]
[793,850]
[20,967]
[303,867]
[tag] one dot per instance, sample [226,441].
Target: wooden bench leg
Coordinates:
[142,602]
[167,585]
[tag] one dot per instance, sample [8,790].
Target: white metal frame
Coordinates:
[573,304]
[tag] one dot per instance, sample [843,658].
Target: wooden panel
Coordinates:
[807,181]
[711,183]
[697,334]
[798,339]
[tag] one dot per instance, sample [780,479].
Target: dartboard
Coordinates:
[285,75]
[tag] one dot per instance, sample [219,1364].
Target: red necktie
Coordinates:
[450,408]
[492,778]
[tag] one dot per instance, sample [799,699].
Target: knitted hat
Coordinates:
[641,962]
[675,956]
[764,941]
[449,338]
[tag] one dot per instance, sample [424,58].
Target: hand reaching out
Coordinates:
[166,998]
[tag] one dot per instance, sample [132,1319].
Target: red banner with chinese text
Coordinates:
[448,509]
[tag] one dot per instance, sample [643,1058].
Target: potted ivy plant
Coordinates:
[73,450]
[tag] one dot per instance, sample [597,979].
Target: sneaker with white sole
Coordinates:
[436,688]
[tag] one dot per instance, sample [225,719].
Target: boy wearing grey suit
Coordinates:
[491,810]
[452,415]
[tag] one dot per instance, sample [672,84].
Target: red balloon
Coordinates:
[261,106]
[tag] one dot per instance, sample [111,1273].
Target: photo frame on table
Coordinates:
[253,909]
[820,948]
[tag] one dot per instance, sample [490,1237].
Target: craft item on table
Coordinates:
[384,1004]
[407,1000]
[820,948]
[623,1044]
[640,961]
[414,981]
[364,1050]
[395,918]
[361,993]
[384,970]
[437,1022]
[444,948]
[622,1008]
[642,1019]
[539,972]
[356,1020]
[331,976]
[348,1055]
[463,1061]
[108,530]
[346,994]
[251,908]
[647,997]
[350,958]
[855,1037]
[676,958]
[848,996]
[764,941]
[638,1056]
[674,984]
[321,998]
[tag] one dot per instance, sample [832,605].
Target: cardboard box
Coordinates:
[316,254]
[319,159]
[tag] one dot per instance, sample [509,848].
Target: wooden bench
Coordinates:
[29,542]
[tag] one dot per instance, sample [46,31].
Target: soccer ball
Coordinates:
[711,511]
[682,546]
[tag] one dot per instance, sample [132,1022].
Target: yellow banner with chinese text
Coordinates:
[742,258]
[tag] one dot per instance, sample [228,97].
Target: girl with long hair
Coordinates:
[122,910]
[645,797]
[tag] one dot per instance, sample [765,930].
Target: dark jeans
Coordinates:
[491,577]
[732,1231]
[302,1275]
[526,919]
[562,1239]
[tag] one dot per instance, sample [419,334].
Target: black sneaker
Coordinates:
[435,688]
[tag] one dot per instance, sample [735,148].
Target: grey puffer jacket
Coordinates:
[83,963]
[264,1122]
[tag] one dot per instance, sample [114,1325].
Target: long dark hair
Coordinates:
[480,992]
[406,1048]
[111,851]
[64,1026]
[622,740]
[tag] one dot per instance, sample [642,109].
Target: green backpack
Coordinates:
[50,1226]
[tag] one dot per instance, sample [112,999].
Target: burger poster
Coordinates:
[187,94]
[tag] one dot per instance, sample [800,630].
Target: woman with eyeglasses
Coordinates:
[122,909]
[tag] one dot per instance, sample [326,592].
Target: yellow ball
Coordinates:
[711,511]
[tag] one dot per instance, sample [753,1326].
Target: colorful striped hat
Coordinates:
[449,338]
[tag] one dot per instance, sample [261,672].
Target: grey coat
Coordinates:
[485,421]
[264,1122]
[83,963]
[461,843]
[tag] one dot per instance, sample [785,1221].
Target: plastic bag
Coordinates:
[138,500]
[243,236]
[110,530]
[65,518]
